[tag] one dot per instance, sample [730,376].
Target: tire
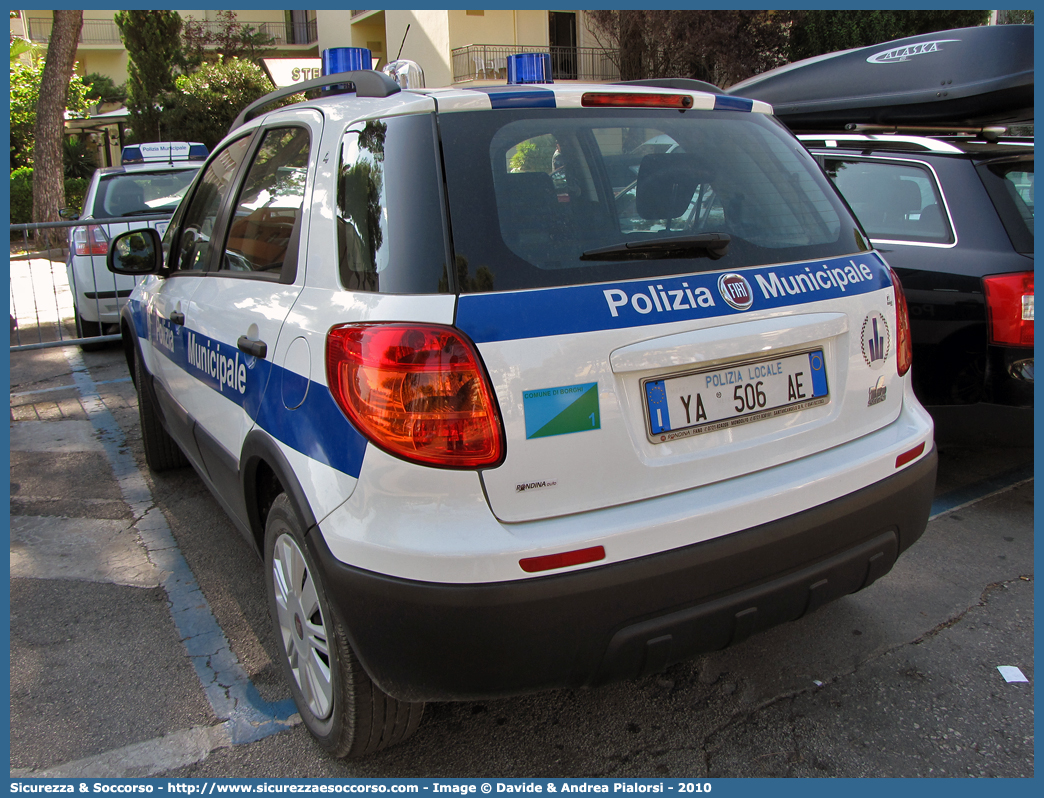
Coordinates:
[89,329]
[161,452]
[345,711]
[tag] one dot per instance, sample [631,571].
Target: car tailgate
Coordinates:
[615,393]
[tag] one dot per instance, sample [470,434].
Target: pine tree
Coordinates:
[153,42]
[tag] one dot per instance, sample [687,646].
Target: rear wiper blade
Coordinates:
[714,244]
[147,212]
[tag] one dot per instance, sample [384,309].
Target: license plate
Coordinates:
[705,401]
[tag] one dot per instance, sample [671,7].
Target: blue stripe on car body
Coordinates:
[317,428]
[723,103]
[518,97]
[637,303]
[320,430]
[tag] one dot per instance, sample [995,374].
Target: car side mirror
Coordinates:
[135,253]
[69,213]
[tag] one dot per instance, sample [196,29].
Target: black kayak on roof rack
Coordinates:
[966,76]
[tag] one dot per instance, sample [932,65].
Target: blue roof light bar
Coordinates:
[529,68]
[344,59]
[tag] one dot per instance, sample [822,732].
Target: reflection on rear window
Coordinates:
[140,193]
[1018,180]
[554,185]
[893,201]
[1010,185]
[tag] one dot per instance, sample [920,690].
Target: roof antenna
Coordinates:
[403,41]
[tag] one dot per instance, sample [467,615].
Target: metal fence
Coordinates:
[489,62]
[45,293]
[280,32]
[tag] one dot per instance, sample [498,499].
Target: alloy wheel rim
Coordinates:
[302,628]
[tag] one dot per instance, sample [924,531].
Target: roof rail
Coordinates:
[367,82]
[988,132]
[883,142]
[682,84]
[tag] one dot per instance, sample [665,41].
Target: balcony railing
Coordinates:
[489,62]
[94,31]
[282,33]
[100,31]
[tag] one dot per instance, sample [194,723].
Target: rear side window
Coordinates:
[893,201]
[536,196]
[391,232]
[1010,185]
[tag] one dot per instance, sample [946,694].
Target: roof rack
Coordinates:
[988,132]
[367,83]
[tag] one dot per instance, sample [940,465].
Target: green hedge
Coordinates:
[22,194]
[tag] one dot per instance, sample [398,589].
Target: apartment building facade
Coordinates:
[451,46]
[101,50]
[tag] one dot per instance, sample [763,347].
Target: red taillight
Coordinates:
[90,240]
[904,345]
[1009,305]
[629,100]
[418,391]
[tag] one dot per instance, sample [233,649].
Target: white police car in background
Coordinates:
[492,436]
[151,182]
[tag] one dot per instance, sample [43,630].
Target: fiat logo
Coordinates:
[735,290]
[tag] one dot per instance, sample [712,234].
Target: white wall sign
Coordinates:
[288,71]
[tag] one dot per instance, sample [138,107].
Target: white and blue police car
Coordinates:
[496,433]
[150,182]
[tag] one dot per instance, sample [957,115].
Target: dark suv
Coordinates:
[954,218]
[912,133]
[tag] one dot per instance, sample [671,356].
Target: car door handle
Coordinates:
[255,348]
[177,317]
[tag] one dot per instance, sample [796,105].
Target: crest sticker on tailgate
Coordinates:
[562,410]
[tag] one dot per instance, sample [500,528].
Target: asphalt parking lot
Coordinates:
[141,645]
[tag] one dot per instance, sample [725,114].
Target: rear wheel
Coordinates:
[161,452]
[88,329]
[344,710]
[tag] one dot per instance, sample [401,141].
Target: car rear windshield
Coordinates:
[140,193]
[542,197]
[1010,185]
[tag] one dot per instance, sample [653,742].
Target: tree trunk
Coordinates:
[48,174]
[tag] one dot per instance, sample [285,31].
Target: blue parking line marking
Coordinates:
[231,693]
[977,491]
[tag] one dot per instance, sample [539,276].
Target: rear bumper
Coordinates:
[430,641]
[98,294]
